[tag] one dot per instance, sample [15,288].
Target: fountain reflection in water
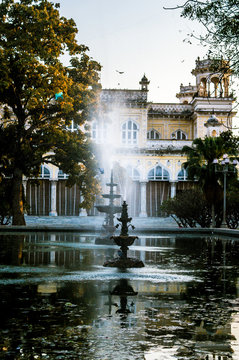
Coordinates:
[123,289]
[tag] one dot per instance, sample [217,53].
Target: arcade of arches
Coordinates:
[48,196]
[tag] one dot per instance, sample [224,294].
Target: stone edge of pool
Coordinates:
[138,231]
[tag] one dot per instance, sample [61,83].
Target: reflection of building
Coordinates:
[47,288]
[175,289]
[63,255]
[147,254]
[143,142]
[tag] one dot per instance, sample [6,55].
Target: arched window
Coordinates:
[202,91]
[45,172]
[183,175]
[214,133]
[179,135]
[153,134]
[215,81]
[130,133]
[99,131]
[62,175]
[158,173]
[133,173]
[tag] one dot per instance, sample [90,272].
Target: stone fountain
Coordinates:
[124,241]
[109,210]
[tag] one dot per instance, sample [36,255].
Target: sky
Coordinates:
[137,37]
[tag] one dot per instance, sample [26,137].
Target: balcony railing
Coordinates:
[168,144]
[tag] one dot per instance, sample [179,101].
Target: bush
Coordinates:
[232,210]
[189,208]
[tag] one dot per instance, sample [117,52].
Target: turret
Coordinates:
[186,93]
[212,77]
[144,83]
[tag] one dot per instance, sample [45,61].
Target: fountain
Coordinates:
[110,210]
[124,240]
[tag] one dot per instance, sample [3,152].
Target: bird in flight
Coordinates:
[120,72]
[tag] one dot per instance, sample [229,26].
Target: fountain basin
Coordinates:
[109,196]
[108,209]
[124,263]
[124,240]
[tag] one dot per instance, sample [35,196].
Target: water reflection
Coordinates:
[123,289]
[183,305]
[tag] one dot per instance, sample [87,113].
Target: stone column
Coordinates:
[226,86]
[173,189]
[143,212]
[53,198]
[24,184]
[208,87]
[82,211]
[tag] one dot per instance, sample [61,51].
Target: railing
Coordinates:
[168,144]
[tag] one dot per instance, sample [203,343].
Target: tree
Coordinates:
[221,22]
[5,203]
[40,97]
[200,164]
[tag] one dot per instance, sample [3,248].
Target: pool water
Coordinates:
[59,302]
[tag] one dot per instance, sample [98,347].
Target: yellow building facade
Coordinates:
[142,142]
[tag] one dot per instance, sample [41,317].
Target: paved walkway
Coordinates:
[95,222]
[151,225]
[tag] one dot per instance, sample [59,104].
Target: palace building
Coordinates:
[142,142]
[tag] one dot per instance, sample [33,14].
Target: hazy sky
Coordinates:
[137,37]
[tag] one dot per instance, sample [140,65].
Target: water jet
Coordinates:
[109,210]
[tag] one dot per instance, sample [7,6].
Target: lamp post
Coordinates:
[224,170]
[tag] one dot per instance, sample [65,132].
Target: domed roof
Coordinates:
[144,79]
[212,121]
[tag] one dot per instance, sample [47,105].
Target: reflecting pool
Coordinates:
[59,302]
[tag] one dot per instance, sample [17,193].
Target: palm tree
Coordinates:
[200,165]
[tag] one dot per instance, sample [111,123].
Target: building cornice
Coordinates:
[172,110]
